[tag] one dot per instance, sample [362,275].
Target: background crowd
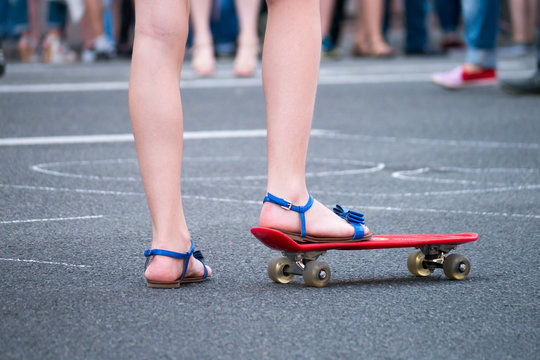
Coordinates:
[63,31]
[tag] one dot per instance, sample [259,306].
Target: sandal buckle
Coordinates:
[288,206]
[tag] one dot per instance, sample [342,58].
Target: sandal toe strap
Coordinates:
[354,218]
[199,256]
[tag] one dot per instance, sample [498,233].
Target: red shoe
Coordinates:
[458,78]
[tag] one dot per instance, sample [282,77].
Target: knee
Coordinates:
[169,29]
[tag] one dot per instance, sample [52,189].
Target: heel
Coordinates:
[149,253]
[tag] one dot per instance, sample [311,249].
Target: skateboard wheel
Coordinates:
[316,273]
[456,267]
[277,270]
[415,264]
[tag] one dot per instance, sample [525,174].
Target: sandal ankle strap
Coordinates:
[184,256]
[287,205]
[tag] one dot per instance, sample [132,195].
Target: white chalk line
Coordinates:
[120,138]
[6,222]
[321,192]
[410,175]
[81,191]
[448,211]
[434,142]
[314,191]
[44,169]
[386,208]
[45,262]
[433,193]
[402,175]
[254,202]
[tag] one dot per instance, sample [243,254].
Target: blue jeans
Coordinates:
[57,15]
[449,14]
[13,17]
[481,26]
[415,25]
[538,43]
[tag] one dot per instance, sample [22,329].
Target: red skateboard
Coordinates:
[301,259]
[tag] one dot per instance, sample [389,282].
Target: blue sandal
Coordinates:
[354,218]
[185,256]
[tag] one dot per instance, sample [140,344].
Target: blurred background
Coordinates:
[63,31]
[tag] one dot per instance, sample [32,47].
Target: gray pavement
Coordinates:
[74,222]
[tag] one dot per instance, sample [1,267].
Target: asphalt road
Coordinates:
[74,222]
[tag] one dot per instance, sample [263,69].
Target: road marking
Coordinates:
[260,133]
[253,202]
[326,78]
[385,208]
[81,191]
[314,191]
[409,175]
[434,193]
[118,138]
[449,211]
[367,167]
[65,87]
[5,222]
[45,262]
[435,142]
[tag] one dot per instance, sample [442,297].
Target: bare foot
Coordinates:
[381,49]
[360,49]
[27,47]
[166,269]
[245,61]
[320,221]
[203,61]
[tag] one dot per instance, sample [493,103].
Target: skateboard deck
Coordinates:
[301,258]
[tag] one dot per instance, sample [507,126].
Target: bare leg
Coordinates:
[87,32]
[372,17]
[360,35]
[327,7]
[291,57]
[203,61]
[248,40]
[518,13]
[157,121]
[248,13]
[532,18]
[94,15]
[29,40]
[34,8]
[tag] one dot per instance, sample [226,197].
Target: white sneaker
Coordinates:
[88,56]
[104,48]
[56,52]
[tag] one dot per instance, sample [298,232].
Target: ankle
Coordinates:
[297,195]
[179,241]
[247,40]
[473,68]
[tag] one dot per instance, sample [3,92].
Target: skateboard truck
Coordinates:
[315,273]
[430,257]
[299,261]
